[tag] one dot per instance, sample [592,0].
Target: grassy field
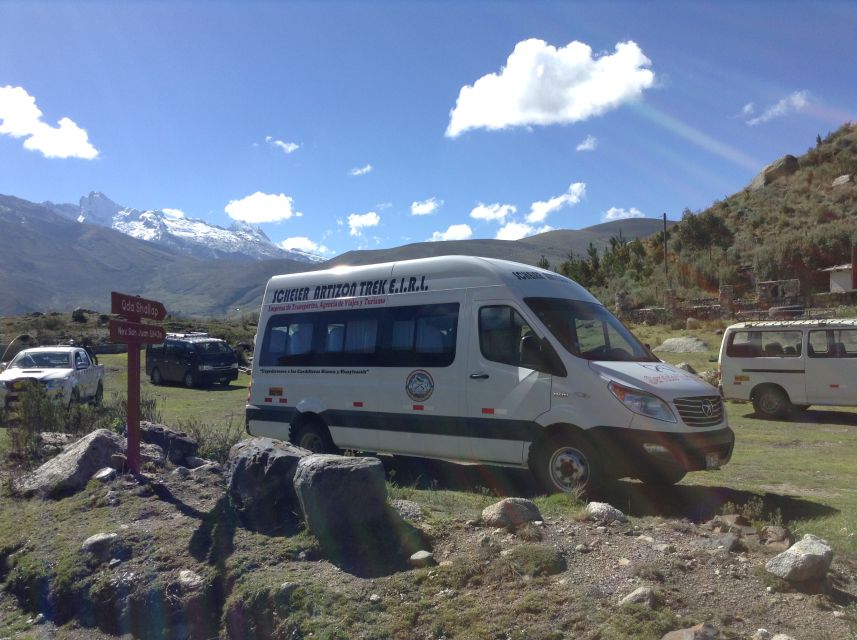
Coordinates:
[803,470]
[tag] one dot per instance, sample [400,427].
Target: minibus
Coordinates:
[786,366]
[476,360]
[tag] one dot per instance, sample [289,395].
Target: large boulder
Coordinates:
[177,445]
[340,496]
[259,476]
[785,166]
[806,560]
[69,472]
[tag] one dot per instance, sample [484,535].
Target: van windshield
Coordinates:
[588,330]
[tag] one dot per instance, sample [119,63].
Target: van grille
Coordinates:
[701,411]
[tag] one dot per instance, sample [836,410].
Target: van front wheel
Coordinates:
[564,463]
[771,402]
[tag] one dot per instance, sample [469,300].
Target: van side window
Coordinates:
[413,336]
[845,343]
[764,344]
[500,331]
[818,345]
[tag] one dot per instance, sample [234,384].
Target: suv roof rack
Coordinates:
[190,335]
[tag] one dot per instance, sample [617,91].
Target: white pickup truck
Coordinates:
[68,374]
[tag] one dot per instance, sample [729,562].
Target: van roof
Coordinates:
[796,324]
[444,272]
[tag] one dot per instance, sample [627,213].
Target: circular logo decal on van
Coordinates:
[419,385]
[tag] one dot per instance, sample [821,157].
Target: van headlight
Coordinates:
[641,402]
[54,384]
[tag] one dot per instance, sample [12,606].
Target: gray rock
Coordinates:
[785,166]
[842,180]
[408,510]
[190,580]
[807,559]
[725,541]
[510,513]
[643,596]
[682,345]
[100,545]
[259,477]
[175,444]
[339,496]
[69,472]
[704,631]
[105,474]
[603,512]
[776,537]
[782,636]
[685,366]
[762,634]
[422,559]
[152,454]
[285,591]
[184,472]
[119,461]
[193,462]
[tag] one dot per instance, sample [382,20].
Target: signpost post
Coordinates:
[135,334]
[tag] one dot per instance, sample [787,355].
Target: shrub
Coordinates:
[214,442]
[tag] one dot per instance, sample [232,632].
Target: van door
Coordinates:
[831,367]
[504,396]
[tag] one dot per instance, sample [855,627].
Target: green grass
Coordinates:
[213,405]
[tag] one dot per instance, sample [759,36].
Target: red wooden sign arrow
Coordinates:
[136,332]
[135,307]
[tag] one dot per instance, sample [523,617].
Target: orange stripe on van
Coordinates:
[488,411]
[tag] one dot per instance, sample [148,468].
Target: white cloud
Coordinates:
[262,207]
[302,243]
[383,205]
[539,210]
[360,171]
[589,143]
[749,109]
[359,221]
[493,212]
[542,85]
[173,213]
[518,230]
[454,232]
[286,147]
[616,213]
[796,102]
[21,118]
[425,207]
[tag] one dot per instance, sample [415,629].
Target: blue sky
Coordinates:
[344,125]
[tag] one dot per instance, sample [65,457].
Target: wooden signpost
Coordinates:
[135,334]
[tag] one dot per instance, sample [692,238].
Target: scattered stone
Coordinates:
[408,509]
[686,366]
[776,537]
[726,541]
[704,631]
[69,472]
[762,634]
[685,344]
[207,468]
[105,475]
[39,619]
[807,559]
[184,472]
[782,636]
[100,545]
[152,454]
[643,596]
[339,495]
[842,180]
[111,498]
[175,445]
[582,548]
[193,462]
[190,580]
[710,376]
[115,562]
[422,559]
[510,513]
[284,593]
[603,512]
[260,480]
[119,462]
[664,548]
[374,598]
[785,166]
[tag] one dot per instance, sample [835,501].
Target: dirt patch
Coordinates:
[561,577]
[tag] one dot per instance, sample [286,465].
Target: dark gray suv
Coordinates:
[193,359]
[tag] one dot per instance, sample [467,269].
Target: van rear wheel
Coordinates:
[772,402]
[156,376]
[188,380]
[313,437]
[565,462]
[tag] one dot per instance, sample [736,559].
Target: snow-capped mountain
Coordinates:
[241,241]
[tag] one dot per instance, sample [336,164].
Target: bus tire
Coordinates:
[567,462]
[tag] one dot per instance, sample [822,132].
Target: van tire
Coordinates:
[99,396]
[313,436]
[771,401]
[566,462]
[156,376]
[188,380]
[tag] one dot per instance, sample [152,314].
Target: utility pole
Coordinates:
[666,271]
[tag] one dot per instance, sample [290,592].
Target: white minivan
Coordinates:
[787,365]
[479,360]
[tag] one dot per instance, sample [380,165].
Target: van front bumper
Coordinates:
[626,452]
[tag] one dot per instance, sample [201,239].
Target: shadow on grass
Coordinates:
[697,503]
[812,416]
